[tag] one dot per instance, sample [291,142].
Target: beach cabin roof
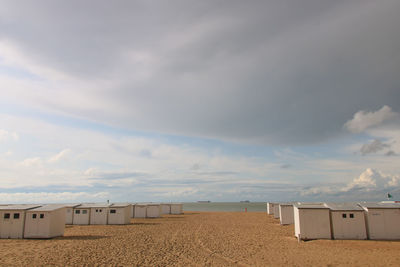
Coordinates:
[49,207]
[286,204]
[310,205]
[19,207]
[93,205]
[379,205]
[343,206]
[152,204]
[120,205]
[71,205]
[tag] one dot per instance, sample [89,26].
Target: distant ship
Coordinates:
[203,201]
[245,201]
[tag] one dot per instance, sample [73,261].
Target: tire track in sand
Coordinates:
[219,257]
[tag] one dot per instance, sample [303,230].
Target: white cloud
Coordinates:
[372,179]
[6,135]
[48,197]
[364,120]
[90,172]
[30,162]
[62,154]
[370,184]
[367,180]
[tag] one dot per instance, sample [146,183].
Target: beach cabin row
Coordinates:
[377,221]
[147,210]
[340,220]
[32,221]
[99,214]
[155,210]
[281,211]
[171,208]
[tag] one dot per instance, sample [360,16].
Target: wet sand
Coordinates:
[195,239]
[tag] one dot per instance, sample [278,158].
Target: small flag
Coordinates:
[389,195]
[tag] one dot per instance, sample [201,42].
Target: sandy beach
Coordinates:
[195,239]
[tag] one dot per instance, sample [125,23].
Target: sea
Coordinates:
[225,206]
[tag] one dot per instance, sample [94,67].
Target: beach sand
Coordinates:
[195,239]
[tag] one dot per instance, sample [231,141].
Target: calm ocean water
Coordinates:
[225,206]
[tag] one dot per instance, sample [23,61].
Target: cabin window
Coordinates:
[351,215]
[113,211]
[97,210]
[41,216]
[101,210]
[77,212]
[344,215]
[6,215]
[84,211]
[16,215]
[34,216]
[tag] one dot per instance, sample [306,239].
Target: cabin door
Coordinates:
[6,224]
[376,221]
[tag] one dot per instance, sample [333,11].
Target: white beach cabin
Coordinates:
[311,221]
[383,220]
[270,208]
[98,213]
[69,212]
[165,208]
[347,220]
[153,210]
[140,210]
[276,210]
[12,220]
[45,222]
[81,215]
[176,208]
[120,213]
[132,212]
[286,214]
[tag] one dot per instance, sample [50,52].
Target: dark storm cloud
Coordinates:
[272,72]
[373,147]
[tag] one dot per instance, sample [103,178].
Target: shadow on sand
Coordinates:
[191,213]
[82,237]
[145,223]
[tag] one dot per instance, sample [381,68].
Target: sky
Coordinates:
[199,100]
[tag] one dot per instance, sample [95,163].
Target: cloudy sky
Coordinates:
[199,100]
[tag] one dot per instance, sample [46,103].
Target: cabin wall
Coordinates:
[383,224]
[57,224]
[348,225]
[69,214]
[315,224]
[153,211]
[81,218]
[140,211]
[270,208]
[12,227]
[276,211]
[44,224]
[37,224]
[132,212]
[99,215]
[286,214]
[165,209]
[176,208]
[121,215]
[297,223]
